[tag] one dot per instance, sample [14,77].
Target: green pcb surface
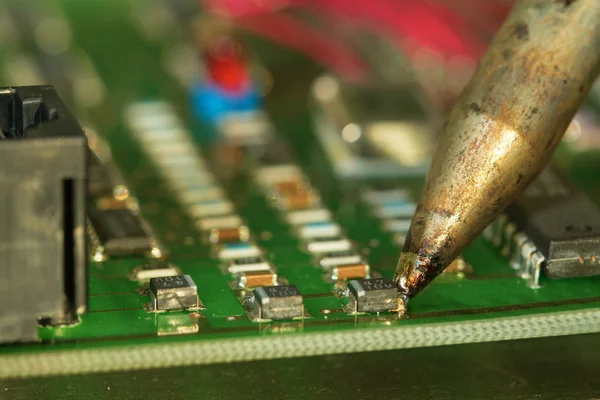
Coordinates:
[490,303]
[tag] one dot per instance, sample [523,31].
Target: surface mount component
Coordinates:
[372,130]
[344,272]
[323,245]
[277,302]
[372,295]
[562,223]
[145,272]
[170,293]
[121,231]
[228,235]
[43,162]
[335,258]
[255,278]
[232,251]
[248,264]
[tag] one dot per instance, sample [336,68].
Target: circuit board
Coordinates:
[483,300]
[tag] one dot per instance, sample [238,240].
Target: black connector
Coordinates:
[43,173]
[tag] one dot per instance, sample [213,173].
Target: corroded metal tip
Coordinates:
[502,130]
[414,272]
[410,273]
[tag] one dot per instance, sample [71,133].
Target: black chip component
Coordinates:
[562,222]
[372,295]
[145,272]
[277,302]
[247,260]
[120,231]
[173,293]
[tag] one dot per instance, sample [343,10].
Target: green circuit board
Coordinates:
[486,302]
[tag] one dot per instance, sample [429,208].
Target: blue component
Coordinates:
[211,103]
[396,203]
[397,210]
[319,224]
[238,246]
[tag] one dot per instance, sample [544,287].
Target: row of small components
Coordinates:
[156,126]
[524,257]
[394,208]
[115,225]
[300,205]
[175,292]
[170,146]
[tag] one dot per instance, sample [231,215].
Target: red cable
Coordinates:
[289,32]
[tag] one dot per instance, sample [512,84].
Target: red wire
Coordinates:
[425,23]
[428,25]
[289,32]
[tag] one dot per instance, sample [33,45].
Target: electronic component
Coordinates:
[516,246]
[292,186]
[170,293]
[120,231]
[393,206]
[277,302]
[396,209]
[245,128]
[299,217]
[227,221]
[561,224]
[238,250]
[43,160]
[250,264]
[268,176]
[226,235]
[239,264]
[211,208]
[371,130]
[331,259]
[319,229]
[297,201]
[227,89]
[322,245]
[372,295]
[196,194]
[344,272]
[158,128]
[378,197]
[145,272]
[252,279]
